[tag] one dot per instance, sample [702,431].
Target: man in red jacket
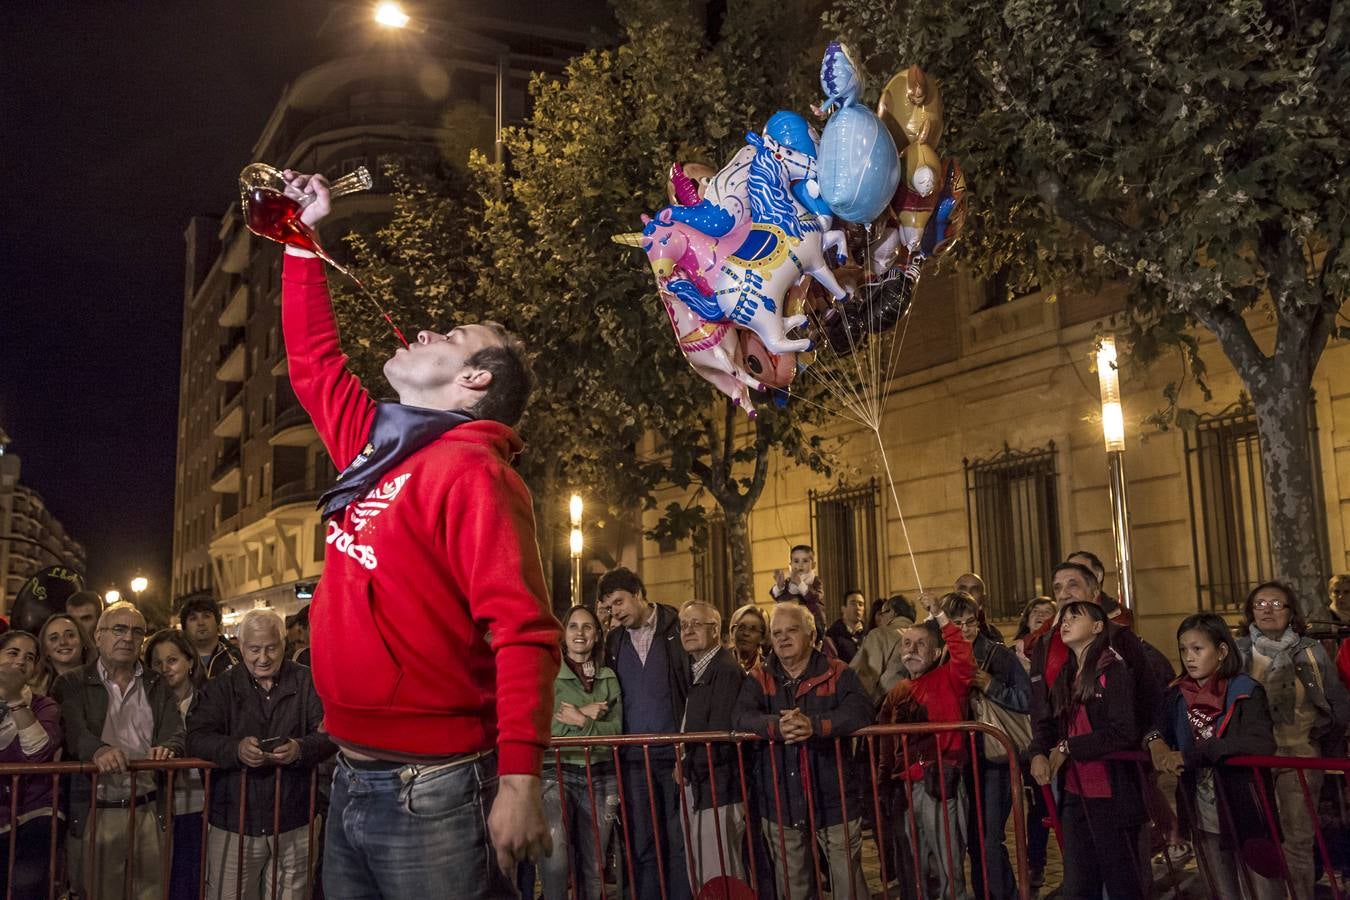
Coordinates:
[433,647]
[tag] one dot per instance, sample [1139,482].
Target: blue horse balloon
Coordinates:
[858,167]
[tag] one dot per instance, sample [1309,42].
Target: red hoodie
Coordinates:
[938,695]
[421,573]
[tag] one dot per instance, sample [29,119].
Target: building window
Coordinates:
[845,533]
[712,566]
[1230,527]
[1012,521]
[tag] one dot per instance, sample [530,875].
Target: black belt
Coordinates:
[126,804]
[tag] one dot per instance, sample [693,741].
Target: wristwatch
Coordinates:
[1063,747]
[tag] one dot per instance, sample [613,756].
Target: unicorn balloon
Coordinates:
[727,267]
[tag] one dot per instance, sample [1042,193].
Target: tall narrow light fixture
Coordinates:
[574,544]
[1113,432]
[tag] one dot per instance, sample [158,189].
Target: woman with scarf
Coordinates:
[1091,714]
[580,800]
[748,631]
[1212,712]
[1309,705]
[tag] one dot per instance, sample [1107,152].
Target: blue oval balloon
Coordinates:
[858,165]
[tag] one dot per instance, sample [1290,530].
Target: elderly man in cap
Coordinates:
[115,712]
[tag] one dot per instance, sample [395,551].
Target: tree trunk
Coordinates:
[742,565]
[1281,390]
[1282,402]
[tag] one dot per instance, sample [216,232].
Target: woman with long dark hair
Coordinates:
[1212,712]
[169,653]
[1090,715]
[586,702]
[1308,705]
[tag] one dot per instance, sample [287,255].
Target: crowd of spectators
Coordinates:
[1074,688]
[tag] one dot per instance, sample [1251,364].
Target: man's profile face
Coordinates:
[86,616]
[972,585]
[918,651]
[855,607]
[627,609]
[1070,585]
[435,360]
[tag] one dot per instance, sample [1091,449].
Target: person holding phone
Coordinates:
[259,722]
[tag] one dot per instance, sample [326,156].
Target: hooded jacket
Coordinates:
[430,631]
[830,695]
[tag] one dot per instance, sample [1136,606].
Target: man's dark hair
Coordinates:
[512,379]
[198,603]
[84,598]
[620,579]
[807,547]
[1094,561]
[1220,635]
[1083,570]
[300,618]
[850,592]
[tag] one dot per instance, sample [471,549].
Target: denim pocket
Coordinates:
[440,795]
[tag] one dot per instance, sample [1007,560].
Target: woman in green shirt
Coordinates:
[585,702]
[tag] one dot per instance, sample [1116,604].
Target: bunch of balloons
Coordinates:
[737,250]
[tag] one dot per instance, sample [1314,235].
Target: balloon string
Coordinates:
[900,513]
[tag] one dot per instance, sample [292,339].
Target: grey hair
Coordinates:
[261,617]
[803,615]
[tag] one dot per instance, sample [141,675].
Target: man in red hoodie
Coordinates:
[433,647]
[927,771]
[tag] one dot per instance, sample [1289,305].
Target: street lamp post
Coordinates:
[111,596]
[1113,432]
[389,14]
[574,544]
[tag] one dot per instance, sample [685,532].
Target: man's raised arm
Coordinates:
[334,398]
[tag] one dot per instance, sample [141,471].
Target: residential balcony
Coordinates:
[225,475]
[235,311]
[230,412]
[293,428]
[230,360]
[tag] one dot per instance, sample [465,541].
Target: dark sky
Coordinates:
[120,121]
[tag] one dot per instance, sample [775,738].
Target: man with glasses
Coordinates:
[114,712]
[716,814]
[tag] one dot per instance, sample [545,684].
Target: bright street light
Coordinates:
[111,597]
[391,15]
[138,584]
[574,509]
[574,543]
[1108,380]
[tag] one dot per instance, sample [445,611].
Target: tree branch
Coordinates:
[1103,230]
[1236,340]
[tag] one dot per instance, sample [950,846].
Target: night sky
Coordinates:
[121,120]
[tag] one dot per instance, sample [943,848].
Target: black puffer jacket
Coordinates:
[232,707]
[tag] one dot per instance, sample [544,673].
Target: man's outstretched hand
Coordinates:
[516,823]
[309,189]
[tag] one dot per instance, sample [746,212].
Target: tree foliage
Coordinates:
[1193,150]
[618,411]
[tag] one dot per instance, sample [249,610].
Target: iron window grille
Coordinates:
[1012,522]
[1230,526]
[846,535]
[712,566]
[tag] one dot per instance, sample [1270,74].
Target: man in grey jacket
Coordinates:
[116,712]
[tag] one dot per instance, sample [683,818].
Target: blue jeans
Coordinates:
[416,832]
[573,824]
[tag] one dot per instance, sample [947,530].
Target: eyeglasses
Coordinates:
[694,625]
[965,623]
[1276,605]
[122,631]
